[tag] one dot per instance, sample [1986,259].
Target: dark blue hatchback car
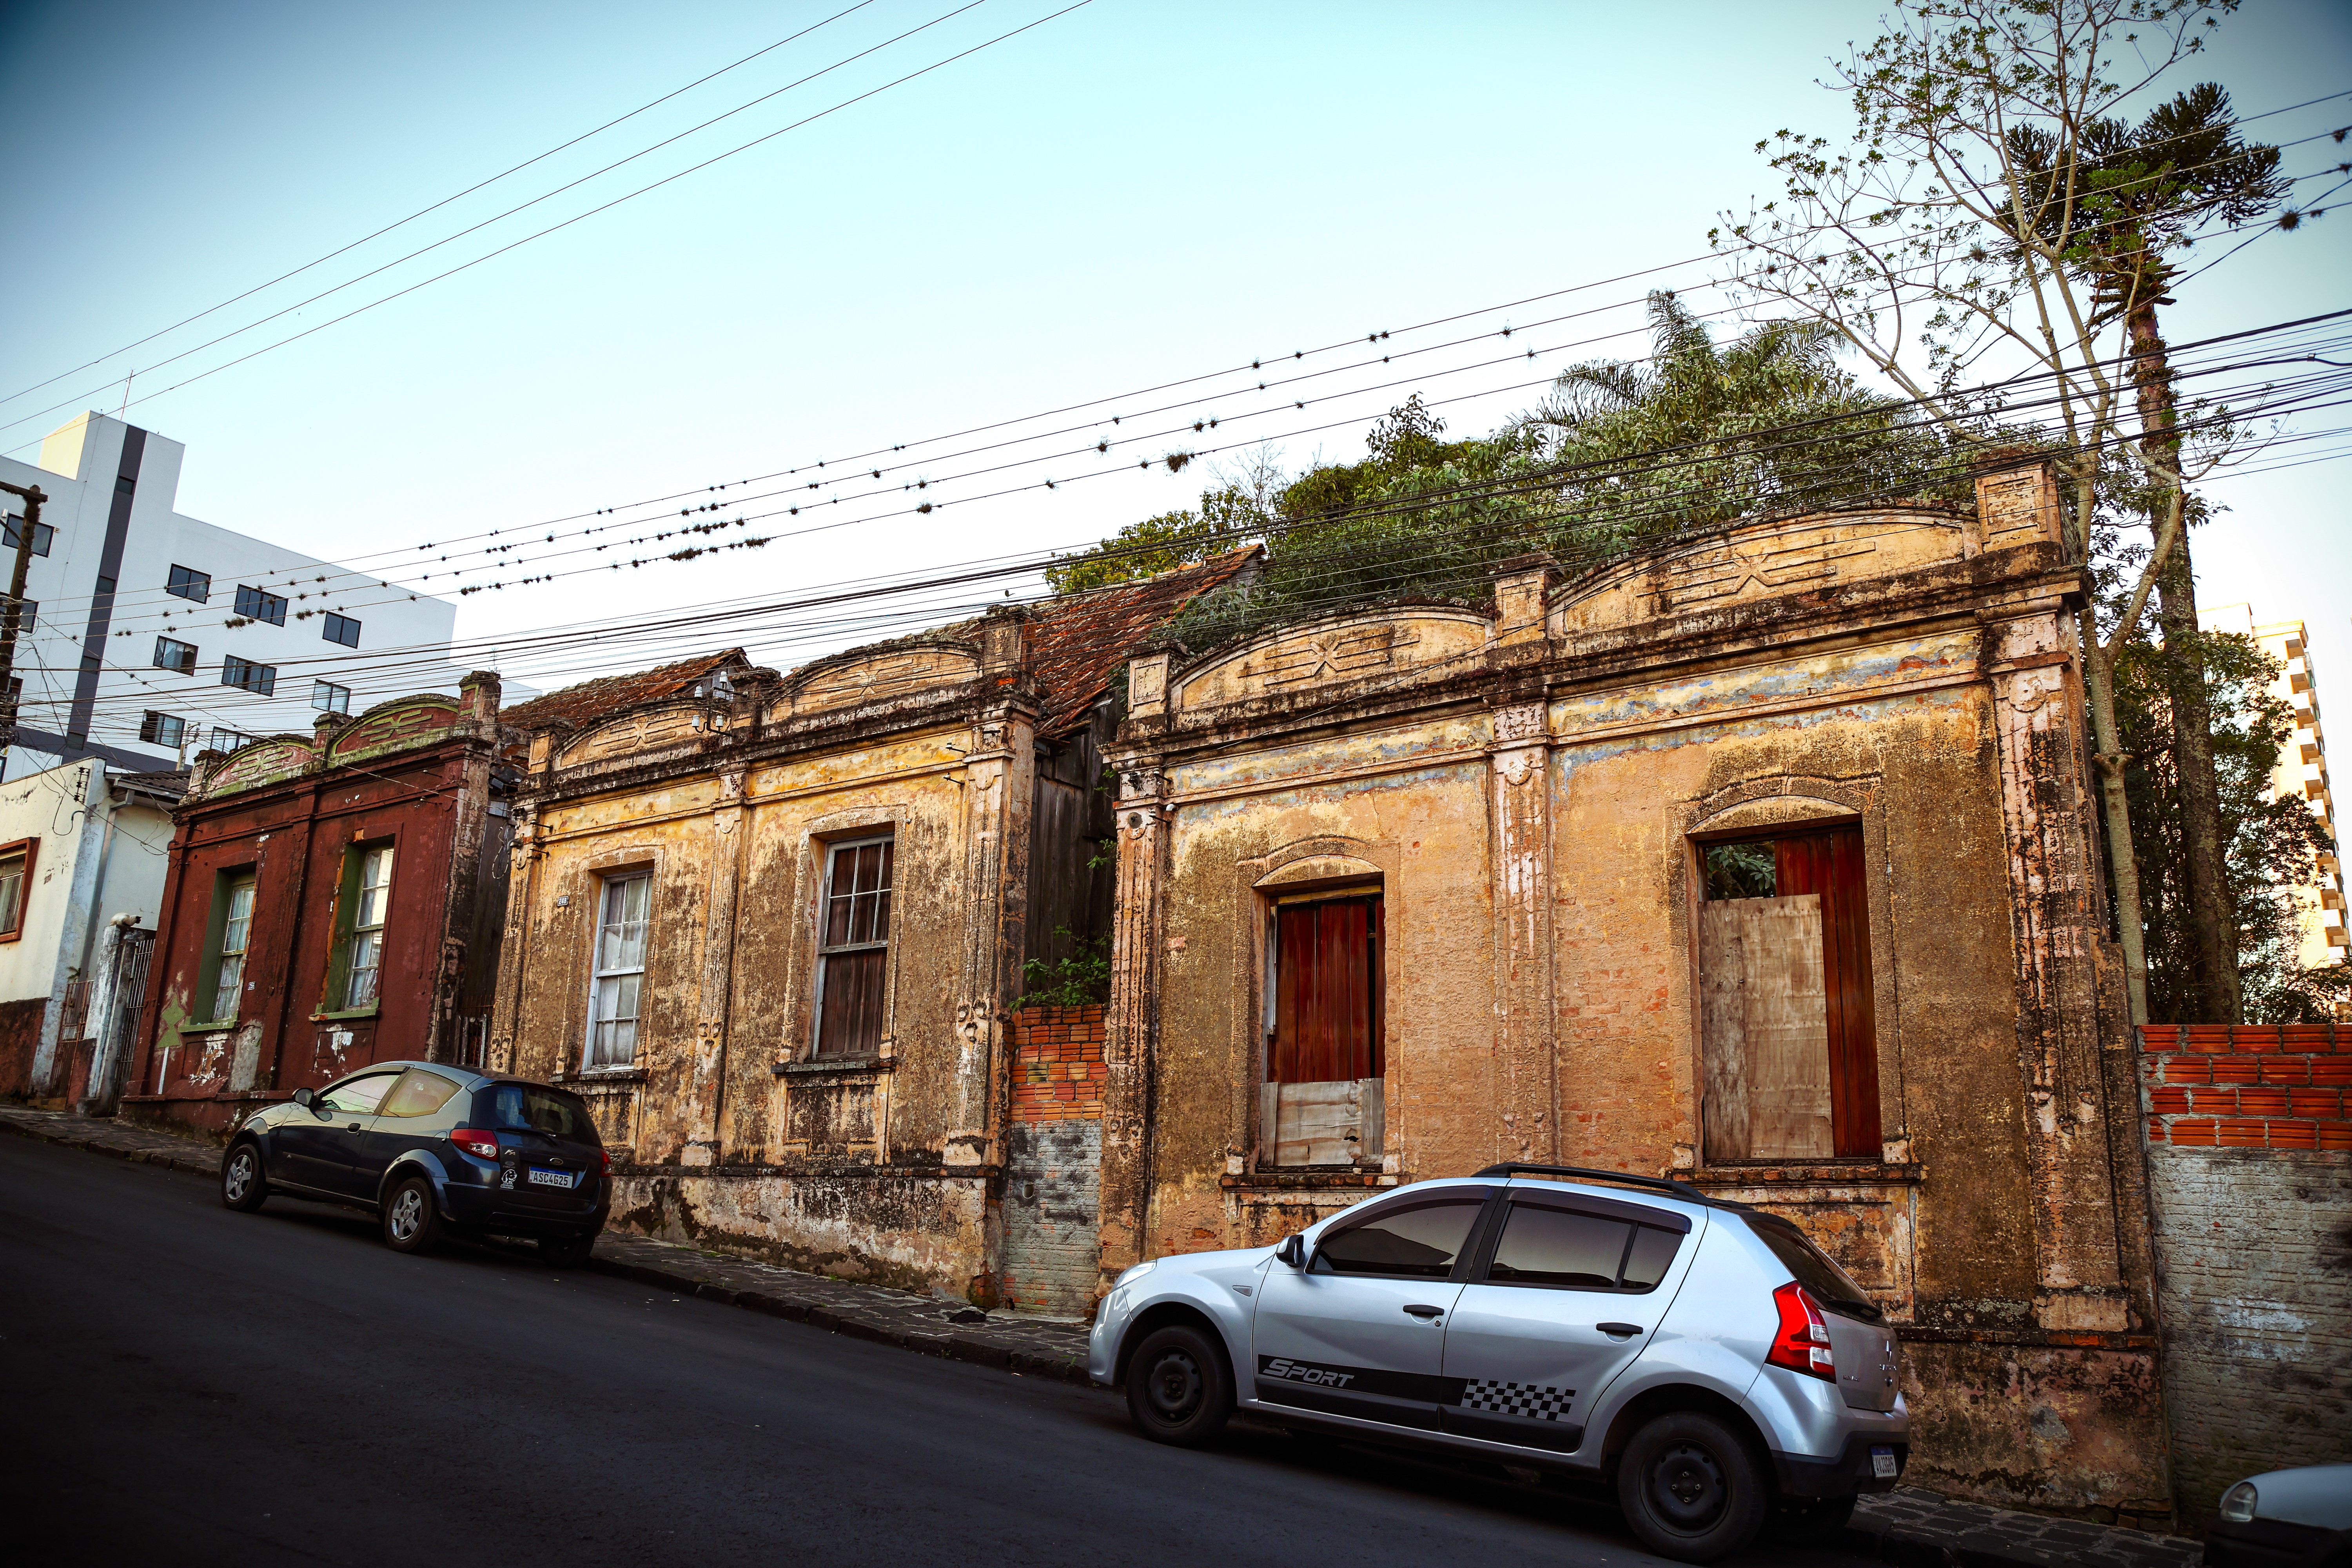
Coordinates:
[433,1150]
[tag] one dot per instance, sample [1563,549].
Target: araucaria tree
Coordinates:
[2009,213]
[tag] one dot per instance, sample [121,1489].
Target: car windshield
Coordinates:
[543,1111]
[1831,1285]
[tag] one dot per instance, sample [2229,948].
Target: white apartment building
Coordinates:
[153,636]
[2301,769]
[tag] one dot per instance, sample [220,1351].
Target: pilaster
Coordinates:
[1131,1025]
[705,1077]
[1522,814]
[1000,778]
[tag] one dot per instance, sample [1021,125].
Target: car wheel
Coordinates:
[567,1252]
[243,1187]
[411,1222]
[1810,1521]
[1690,1488]
[1176,1388]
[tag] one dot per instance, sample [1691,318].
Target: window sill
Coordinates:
[369,1011]
[826,1067]
[1818,1173]
[591,1076]
[1322,1179]
[214,1027]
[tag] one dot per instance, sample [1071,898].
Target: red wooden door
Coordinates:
[1328,985]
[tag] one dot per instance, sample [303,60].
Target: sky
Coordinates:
[1122,196]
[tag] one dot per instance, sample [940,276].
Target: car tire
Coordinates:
[1177,1387]
[567,1252]
[1691,1488]
[1810,1521]
[412,1221]
[242,1186]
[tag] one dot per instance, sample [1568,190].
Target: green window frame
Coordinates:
[362,907]
[229,942]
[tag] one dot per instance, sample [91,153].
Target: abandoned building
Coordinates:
[302,872]
[1762,858]
[773,929]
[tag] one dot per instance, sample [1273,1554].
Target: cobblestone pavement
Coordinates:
[1909,1526]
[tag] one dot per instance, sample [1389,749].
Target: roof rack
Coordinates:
[1682,1190]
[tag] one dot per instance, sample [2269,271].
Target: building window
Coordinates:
[1321,1103]
[179,657]
[233,909]
[367,893]
[231,740]
[43,536]
[162,729]
[1787,1016]
[342,629]
[15,879]
[27,610]
[619,980]
[330,698]
[854,948]
[189,584]
[255,604]
[247,676]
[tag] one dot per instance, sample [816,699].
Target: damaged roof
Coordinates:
[582,705]
[1078,643]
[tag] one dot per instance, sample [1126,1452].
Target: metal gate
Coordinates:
[123,993]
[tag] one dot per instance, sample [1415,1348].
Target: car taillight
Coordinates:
[1802,1343]
[604,1155]
[478,1141]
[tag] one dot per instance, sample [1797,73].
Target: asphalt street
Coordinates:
[189,1386]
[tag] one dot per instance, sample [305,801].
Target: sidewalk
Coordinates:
[1910,1526]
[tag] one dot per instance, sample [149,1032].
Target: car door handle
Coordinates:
[353,1128]
[1425,1313]
[1619,1328]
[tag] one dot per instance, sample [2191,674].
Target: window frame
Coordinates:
[350,892]
[184,667]
[44,536]
[332,620]
[14,927]
[267,682]
[827,952]
[1635,1215]
[340,703]
[239,736]
[151,728]
[261,605]
[180,579]
[1475,1243]
[226,880]
[608,883]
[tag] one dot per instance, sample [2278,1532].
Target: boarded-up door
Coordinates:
[1322,1103]
[1764,1020]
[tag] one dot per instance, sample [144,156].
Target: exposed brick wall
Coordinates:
[20,1040]
[1057,1064]
[1053,1163]
[2250,1157]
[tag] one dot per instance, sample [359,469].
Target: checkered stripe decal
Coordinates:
[1531,1400]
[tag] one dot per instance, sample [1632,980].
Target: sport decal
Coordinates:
[1535,1402]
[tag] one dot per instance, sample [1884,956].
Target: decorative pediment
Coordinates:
[1758,561]
[1337,651]
[655,728]
[395,726]
[858,677]
[264,762]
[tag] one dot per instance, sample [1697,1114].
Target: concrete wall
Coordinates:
[2250,1158]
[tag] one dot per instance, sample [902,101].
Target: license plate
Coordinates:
[1882,1462]
[540,1178]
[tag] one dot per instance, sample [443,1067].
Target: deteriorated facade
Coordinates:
[329,902]
[773,929]
[1764,859]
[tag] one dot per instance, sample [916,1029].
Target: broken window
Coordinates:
[854,948]
[233,909]
[1322,1103]
[1787,1015]
[618,986]
[367,894]
[15,868]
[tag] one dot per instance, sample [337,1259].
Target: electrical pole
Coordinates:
[14,614]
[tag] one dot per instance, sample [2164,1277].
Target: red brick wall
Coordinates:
[20,1038]
[2248,1086]
[1057,1064]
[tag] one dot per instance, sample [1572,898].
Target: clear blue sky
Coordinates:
[1127,194]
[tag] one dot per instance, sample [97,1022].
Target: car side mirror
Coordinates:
[305,1098]
[1292,1251]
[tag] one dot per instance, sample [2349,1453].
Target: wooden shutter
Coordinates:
[1328,985]
[1764,1024]
[1831,865]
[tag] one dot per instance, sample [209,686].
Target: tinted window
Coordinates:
[1654,1250]
[1553,1246]
[542,1111]
[1421,1242]
[1830,1285]
[418,1093]
[361,1094]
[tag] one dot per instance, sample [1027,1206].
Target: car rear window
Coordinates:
[547,1110]
[1813,1268]
[418,1093]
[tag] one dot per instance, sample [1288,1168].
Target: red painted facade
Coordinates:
[422,776]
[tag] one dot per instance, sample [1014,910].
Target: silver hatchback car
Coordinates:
[1701,1357]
